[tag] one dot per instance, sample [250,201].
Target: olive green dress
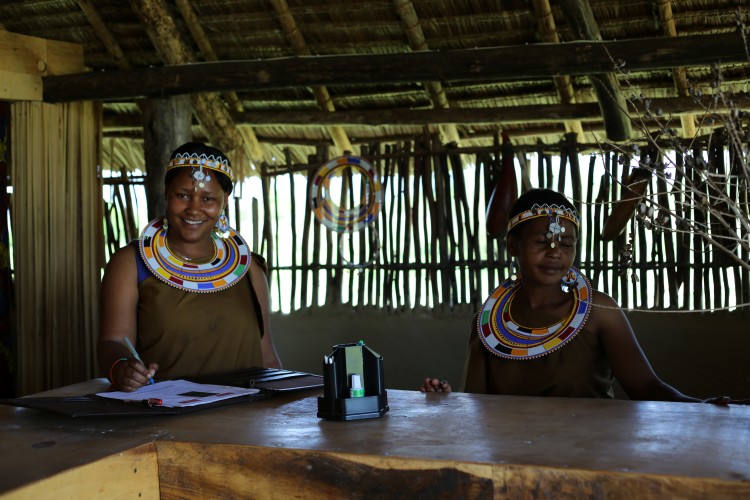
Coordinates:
[192,334]
[579,369]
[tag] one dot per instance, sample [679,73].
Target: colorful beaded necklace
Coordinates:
[230,262]
[505,338]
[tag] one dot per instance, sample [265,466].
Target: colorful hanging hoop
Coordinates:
[329,213]
[507,339]
[230,263]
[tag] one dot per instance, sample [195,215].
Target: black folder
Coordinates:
[267,380]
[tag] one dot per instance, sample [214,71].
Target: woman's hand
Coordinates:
[435,385]
[726,400]
[130,374]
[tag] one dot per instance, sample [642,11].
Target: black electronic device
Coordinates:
[353,384]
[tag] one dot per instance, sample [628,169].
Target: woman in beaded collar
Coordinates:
[544,332]
[188,293]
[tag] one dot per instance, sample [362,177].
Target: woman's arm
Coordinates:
[258,278]
[119,303]
[625,357]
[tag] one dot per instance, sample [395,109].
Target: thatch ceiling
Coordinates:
[121,36]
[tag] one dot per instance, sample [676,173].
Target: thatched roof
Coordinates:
[533,99]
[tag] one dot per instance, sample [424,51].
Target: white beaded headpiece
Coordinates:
[553,212]
[200,161]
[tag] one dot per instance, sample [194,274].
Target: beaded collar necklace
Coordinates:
[230,263]
[505,338]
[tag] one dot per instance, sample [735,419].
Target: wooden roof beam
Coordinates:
[670,107]
[103,34]
[199,37]
[209,109]
[322,97]
[26,60]
[417,42]
[563,83]
[678,74]
[520,62]
[581,19]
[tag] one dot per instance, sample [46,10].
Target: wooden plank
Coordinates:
[495,63]
[189,470]
[130,474]
[293,215]
[408,214]
[587,220]
[477,201]
[467,251]
[667,240]
[306,228]
[25,60]
[651,446]
[582,22]
[386,229]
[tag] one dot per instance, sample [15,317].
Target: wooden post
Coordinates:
[166,125]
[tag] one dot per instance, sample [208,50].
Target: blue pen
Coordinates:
[135,355]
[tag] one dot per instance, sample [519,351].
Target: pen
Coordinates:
[143,402]
[136,356]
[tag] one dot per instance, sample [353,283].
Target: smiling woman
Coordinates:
[544,331]
[188,293]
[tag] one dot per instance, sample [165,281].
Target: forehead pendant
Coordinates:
[199,177]
[555,229]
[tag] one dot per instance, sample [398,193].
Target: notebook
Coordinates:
[267,380]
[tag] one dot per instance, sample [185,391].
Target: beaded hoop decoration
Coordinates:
[545,210]
[230,263]
[507,339]
[333,216]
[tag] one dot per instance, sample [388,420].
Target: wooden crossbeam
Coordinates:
[581,19]
[544,113]
[522,62]
[25,60]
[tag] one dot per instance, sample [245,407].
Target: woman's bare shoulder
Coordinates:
[604,310]
[122,261]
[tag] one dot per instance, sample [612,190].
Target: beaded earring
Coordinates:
[568,281]
[515,273]
[222,226]
[165,223]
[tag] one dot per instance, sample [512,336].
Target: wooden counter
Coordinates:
[434,445]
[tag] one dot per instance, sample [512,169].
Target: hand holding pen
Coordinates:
[129,374]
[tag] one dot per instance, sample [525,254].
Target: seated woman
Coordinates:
[544,331]
[188,294]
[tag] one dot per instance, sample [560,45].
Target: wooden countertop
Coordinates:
[683,440]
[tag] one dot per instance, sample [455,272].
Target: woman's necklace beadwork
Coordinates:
[230,262]
[507,339]
[205,258]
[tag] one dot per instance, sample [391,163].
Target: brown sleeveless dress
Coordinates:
[191,334]
[577,370]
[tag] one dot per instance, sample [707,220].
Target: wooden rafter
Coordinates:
[322,97]
[581,19]
[678,74]
[207,50]
[103,34]
[417,42]
[537,113]
[563,83]
[209,109]
[486,64]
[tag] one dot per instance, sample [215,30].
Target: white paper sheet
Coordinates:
[179,393]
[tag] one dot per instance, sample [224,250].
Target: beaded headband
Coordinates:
[216,163]
[554,212]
